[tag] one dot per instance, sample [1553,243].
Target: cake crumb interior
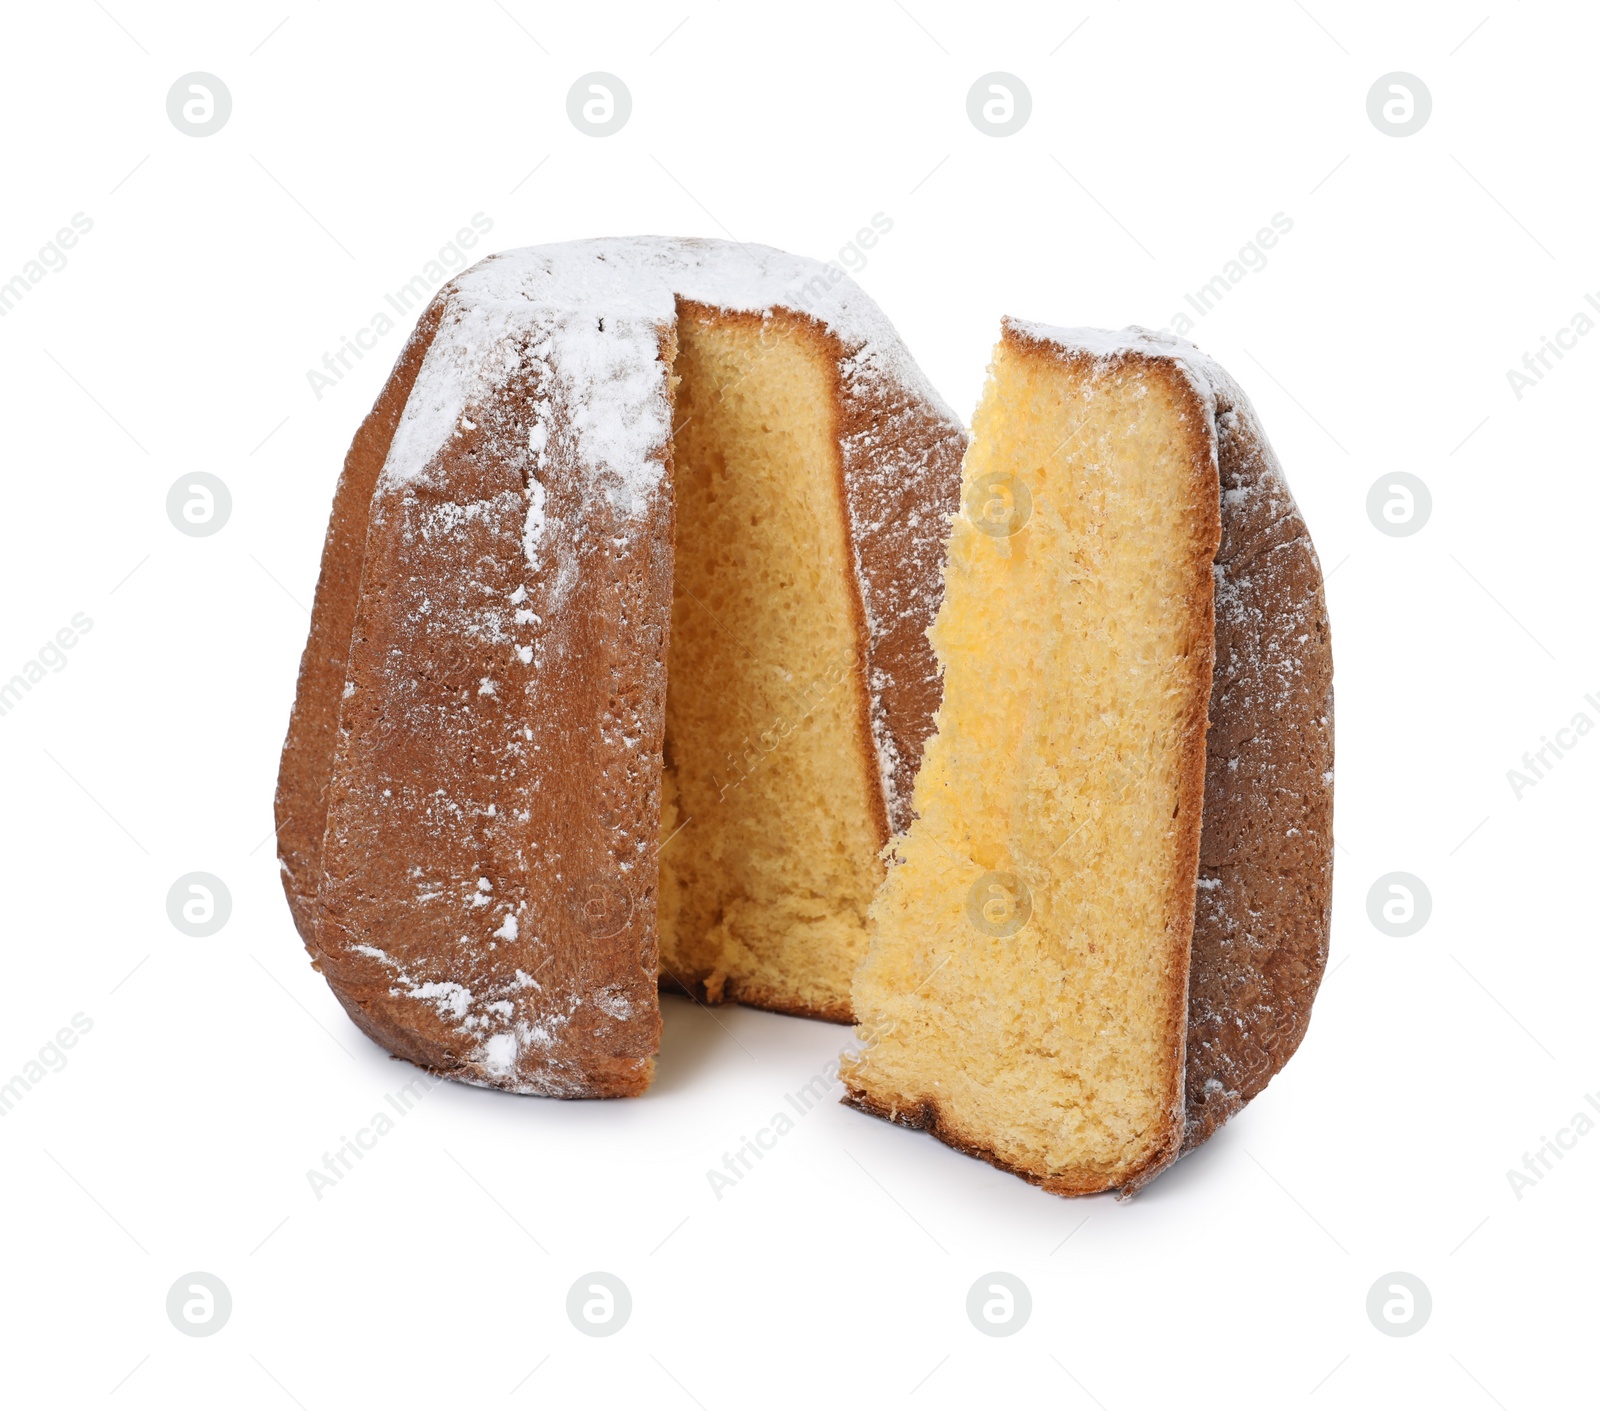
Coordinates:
[1025,985]
[771,815]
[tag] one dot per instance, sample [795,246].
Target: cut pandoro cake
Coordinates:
[1102,934]
[618,672]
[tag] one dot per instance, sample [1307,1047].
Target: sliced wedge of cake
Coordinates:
[1102,935]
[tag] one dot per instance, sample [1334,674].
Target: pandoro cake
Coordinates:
[618,672]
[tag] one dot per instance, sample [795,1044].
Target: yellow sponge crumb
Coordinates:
[772,815]
[1025,990]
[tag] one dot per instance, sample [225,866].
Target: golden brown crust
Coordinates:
[901,478]
[1266,858]
[434,781]
[301,806]
[437,782]
[926,1116]
[752,996]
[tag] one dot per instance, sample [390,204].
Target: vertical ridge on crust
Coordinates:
[1264,890]
[301,802]
[488,881]
[901,455]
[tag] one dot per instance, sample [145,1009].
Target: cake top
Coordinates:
[1102,344]
[594,311]
[1224,399]
[1106,342]
[1252,481]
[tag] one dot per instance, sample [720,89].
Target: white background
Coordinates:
[1377,339]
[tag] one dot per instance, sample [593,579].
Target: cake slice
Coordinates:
[1103,933]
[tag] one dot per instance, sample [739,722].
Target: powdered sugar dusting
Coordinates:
[595,311]
[533,525]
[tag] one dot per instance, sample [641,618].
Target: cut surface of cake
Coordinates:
[1102,934]
[617,673]
[766,887]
